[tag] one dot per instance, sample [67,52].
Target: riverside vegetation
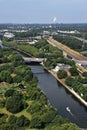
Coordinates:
[54,56]
[23,105]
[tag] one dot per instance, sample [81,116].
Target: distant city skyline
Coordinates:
[43,11]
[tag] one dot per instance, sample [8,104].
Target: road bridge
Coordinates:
[32,59]
[76,56]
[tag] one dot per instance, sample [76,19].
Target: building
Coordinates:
[9,35]
[68,32]
[62,67]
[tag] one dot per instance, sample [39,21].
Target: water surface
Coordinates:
[60,98]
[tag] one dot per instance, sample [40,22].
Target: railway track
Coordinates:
[69,51]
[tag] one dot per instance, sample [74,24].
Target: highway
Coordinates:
[77,57]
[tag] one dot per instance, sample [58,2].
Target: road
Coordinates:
[75,55]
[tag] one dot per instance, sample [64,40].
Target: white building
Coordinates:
[46,33]
[57,68]
[61,67]
[33,42]
[68,32]
[9,35]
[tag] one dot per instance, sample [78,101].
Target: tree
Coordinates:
[17,60]
[14,104]
[5,76]
[69,126]
[62,74]
[9,92]
[48,116]
[84,74]
[22,121]
[69,81]
[12,119]
[74,71]
[34,108]
[71,42]
[60,120]
[17,79]
[43,99]
[36,122]
[1,53]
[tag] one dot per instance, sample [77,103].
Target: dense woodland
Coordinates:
[22,104]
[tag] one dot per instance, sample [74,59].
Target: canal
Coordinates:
[60,98]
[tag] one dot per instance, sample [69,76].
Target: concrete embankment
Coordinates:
[68,88]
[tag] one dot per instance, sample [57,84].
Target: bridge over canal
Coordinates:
[33,59]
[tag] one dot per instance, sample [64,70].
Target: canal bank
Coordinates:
[68,88]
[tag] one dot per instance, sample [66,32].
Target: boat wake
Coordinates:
[68,109]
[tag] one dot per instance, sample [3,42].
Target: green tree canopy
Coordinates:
[14,104]
[62,74]
[73,70]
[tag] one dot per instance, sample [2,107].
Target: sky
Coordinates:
[43,11]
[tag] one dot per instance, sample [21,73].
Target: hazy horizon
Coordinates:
[43,12]
[43,23]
